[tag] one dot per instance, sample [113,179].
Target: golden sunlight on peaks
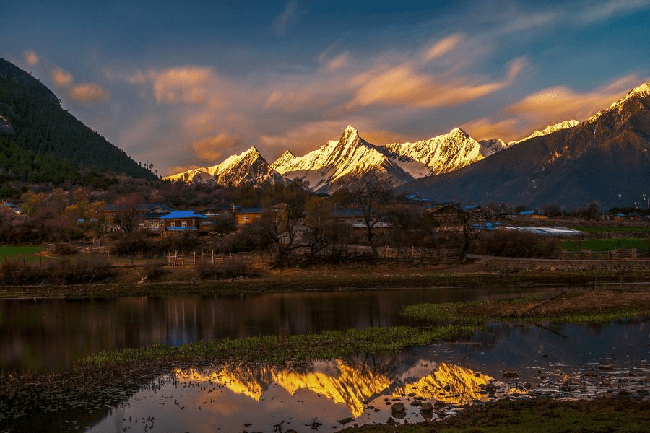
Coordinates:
[351,386]
[450,384]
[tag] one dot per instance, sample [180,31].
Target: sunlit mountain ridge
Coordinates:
[603,159]
[349,158]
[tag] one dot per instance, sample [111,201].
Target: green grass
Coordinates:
[614,229]
[477,314]
[20,253]
[607,245]
[277,350]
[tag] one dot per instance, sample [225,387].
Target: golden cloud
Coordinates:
[484,129]
[182,85]
[61,78]
[442,47]
[554,104]
[213,149]
[31,57]
[548,107]
[403,85]
[87,93]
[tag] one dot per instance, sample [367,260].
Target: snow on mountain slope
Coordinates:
[246,168]
[492,146]
[349,157]
[548,130]
[442,154]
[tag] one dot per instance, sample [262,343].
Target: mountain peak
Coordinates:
[349,134]
[458,131]
[252,150]
[641,91]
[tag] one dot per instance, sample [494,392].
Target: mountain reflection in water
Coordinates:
[339,382]
[560,361]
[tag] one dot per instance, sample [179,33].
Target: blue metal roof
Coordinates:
[182,214]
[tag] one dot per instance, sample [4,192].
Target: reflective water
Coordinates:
[49,333]
[564,361]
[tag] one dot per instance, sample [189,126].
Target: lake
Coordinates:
[48,333]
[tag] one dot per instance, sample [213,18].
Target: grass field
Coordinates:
[607,245]
[20,253]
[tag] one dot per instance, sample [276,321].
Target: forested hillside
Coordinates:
[42,142]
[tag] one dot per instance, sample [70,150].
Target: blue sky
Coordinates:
[187,83]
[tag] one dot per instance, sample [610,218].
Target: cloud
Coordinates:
[554,104]
[31,57]
[483,129]
[188,85]
[87,93]
[548,107]
[605,10]
[404,85]
[338,62]
[61,78]
[304,138]
[182,85]
[442,47]
[212,150]
[280,23]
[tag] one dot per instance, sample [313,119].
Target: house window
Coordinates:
[183,223]
[172,224]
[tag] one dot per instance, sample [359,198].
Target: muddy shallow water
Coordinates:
[521,361]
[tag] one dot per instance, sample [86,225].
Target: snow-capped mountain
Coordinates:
[347,159]
[548,130]
[492,146]
[249,167]
[605,158]
[442,154]
[351,157]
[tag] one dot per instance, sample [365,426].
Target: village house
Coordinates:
[180,221]
[449,217]
[248,215]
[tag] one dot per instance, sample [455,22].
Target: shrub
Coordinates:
[507,243]
[227,269]
[154,271]
[64,249]
[77,270]
[81,269]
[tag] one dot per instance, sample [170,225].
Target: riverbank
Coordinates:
[129,280]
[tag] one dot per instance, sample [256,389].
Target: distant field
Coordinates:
[606,245]
[20,253]
[615,229]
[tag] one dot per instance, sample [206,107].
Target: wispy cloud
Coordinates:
[87,93]
[281,23]
[442,47]
[31,58]
[404,85]
[604,10]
